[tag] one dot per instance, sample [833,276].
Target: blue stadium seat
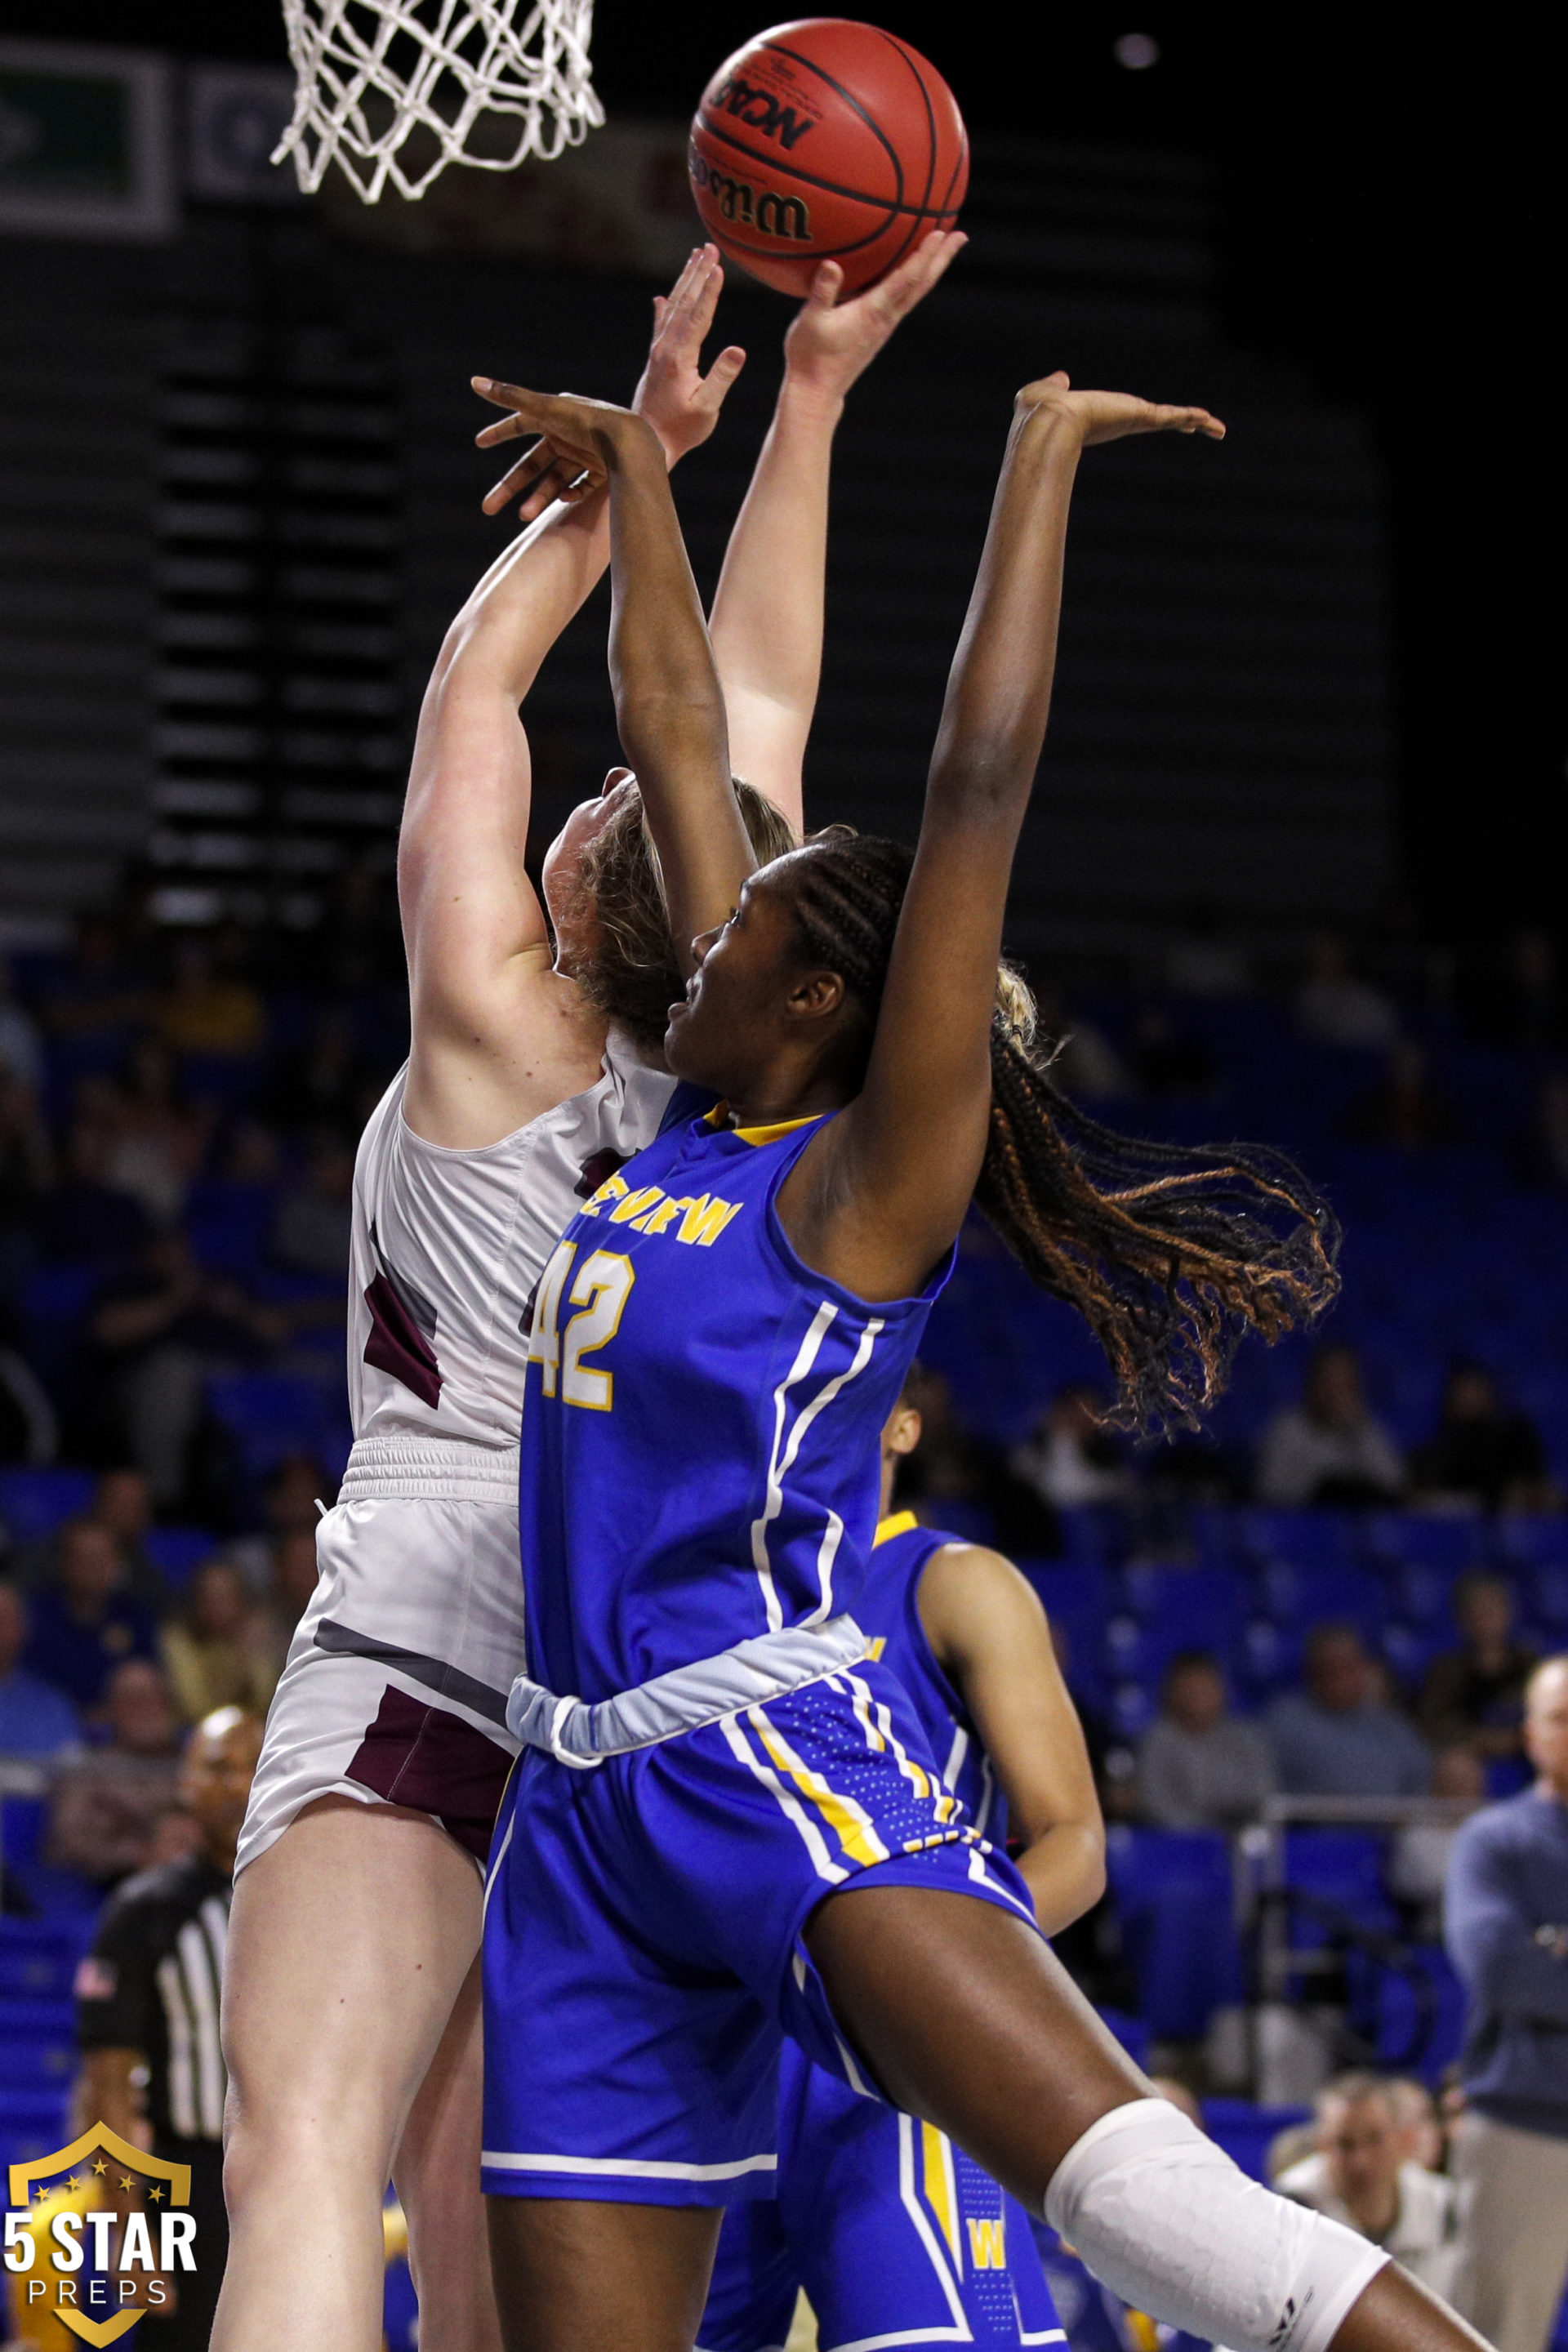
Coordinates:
[33,1502]
[1420,2023]
[1267,1658]
[1173,1898]
[228,1224]
[1305,1539]
[1525,1540]
[268,1414]
[1410,1650]
[38,1959]
[1547,1594]
[1322,1595]
[1421,1594]
[1131,1708]
[1343,1869]
[1208,1605]
[28,2062]
[1093,1532]
[1449,1543]
[177,1553]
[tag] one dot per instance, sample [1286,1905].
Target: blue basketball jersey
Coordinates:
[888,1610]
[700,1418]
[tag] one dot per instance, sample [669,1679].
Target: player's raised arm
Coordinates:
[885,1191]
[669,708]
[988,1632]
[479,945]
[767,619]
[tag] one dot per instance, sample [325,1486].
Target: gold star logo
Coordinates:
[100,2166]
[156,2195]
[40,2192]
[73,2182]
[126,2181]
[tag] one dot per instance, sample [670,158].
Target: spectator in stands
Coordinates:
[106,1805]
[1480,1452]
[311,1230]
[205,1010]
[97,996]
[1331,1448]
[1404,1107]
[219,1650]
[1519,1003]
[293,1588]
[1087,1065]
[1071,1457]
[160,1327]
[36,1719]
[950,1465]
[1337,1738]
[159,1137]
[1508,1938]
[21,1048]
[1198,1767]
[1474,1696]
[1167,1061]
[29,1430]
[1420,1854]
[147,2015]
[1541,1154]
[86,1221]
[292,1492]
[1361,2173]
[1204,960]
[85,1622]
[1334,1008]
[1419,2122]
[320,1087]
[27,1173]
[176,1835]
[122,1505]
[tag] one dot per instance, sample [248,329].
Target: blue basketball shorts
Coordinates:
[643,1959]
[897,2236]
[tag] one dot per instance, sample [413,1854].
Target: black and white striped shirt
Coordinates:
[151,1983]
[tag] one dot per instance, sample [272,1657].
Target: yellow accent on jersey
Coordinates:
[851,1824]
[614,1188]
[706,1219]
[603,1286]
[635,1204]
[771,1134]
[880,1735]
[936,2164]
[897,1523]
[876,1645]
[987,2244]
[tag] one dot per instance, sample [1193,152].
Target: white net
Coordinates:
[396,90]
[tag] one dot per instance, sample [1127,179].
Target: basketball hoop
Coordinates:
[373,75]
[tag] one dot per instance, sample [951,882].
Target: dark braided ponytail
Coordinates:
[1169,1254]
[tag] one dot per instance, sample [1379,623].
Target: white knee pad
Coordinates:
[1169,2223]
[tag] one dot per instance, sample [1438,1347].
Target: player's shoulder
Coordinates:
[969,1590]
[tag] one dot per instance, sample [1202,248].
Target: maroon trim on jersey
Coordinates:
[597,1169]
[433,1762]
[396,1345]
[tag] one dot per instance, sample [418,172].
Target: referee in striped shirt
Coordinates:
[147,2007]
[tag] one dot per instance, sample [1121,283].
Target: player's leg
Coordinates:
[575,2276]
[437,2176]
[968,2020]
[351,1941]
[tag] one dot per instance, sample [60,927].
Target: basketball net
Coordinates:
[370,74]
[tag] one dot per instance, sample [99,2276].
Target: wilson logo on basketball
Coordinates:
[760,112]
[736,200]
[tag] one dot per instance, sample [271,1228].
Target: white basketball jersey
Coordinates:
[447,1247]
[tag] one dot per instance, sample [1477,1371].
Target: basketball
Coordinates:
[826,140]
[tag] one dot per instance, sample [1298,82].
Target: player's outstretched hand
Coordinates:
[679,401]
[1110,416]
[831,342]
[578,441]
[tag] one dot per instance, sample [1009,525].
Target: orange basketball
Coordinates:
[826,140]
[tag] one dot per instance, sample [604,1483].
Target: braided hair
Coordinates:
[1169,1254]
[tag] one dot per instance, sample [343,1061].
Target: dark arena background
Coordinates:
[1288,875]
